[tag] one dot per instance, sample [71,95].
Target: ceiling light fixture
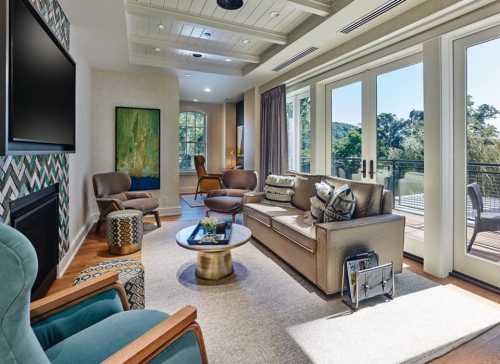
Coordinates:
[197,55]
[246,41]
[188,75]
[157,49]
[195,100]
[228,60]
[207,89]
[274,14]
[161,27]
[207,35]
[230,4]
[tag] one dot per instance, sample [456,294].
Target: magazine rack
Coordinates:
[370,281]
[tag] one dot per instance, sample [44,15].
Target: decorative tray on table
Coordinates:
[222,235]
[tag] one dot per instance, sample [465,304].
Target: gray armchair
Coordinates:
[112,194]
[484,221]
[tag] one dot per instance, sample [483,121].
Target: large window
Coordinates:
[192,138]
[298,110]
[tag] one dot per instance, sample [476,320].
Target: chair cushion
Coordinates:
[297,230]
[142,204]
[304,190]
[368,196]
[106,337]
[265,212]
[226,204]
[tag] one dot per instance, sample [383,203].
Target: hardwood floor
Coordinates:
[483,350]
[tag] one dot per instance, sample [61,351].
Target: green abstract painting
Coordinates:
[138,146]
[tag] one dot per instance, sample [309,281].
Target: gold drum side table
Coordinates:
[124,231]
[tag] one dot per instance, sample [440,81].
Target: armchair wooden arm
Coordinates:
[159,337]
[57,302]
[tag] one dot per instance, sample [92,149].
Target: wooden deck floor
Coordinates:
[484,349]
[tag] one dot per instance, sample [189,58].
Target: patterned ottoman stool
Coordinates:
[125,231]
[130,274]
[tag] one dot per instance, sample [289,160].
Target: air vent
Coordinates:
[384,8]
[295,58]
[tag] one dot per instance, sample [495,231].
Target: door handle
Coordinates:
[363,171]
[372,169]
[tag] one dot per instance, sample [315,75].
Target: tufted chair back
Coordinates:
[18,270]
[241,179]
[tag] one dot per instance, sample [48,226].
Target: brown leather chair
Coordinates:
[112,194]
[206,182]
[229,200]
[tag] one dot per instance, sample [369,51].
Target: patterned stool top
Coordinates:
[124,214]
[130,274]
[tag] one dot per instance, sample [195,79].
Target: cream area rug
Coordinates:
[267,313]
[189,199]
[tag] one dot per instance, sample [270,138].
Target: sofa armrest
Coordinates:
[154,341]
[383,234]
[360,222]
[56,302]
[133,195]
[253,197]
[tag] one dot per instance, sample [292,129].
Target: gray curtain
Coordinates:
[273,134]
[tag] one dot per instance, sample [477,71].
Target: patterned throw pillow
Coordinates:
[279,189]
[318,203]
[341,205]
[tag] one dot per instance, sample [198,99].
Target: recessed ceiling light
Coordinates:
[228,60]
[274,14]
[161,27]
[188,75]
[207,89]
[230,4]
[246,41]
[207,35]
[195,100]
[157,49]
[197,55]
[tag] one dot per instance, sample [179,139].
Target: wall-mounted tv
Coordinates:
[41,84]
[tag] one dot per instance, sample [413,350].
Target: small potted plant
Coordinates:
[209,224]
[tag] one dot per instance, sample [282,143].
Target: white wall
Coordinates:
[145,89]
[80,190]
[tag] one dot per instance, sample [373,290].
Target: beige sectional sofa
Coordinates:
[318,251]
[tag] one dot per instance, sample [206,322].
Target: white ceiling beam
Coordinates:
[315,7]
[160,61]
[248,31]
[183,42]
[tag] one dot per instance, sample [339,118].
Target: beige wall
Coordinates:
[230,137]
[148,89]
[252,129]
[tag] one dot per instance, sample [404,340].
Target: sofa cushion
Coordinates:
[304,190]
[318,203]
[279,188]
[368,196]
[142,204]
[294,228]
[104,338]
[264,212]
[341,205]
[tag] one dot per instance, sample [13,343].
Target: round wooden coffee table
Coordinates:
[214,261]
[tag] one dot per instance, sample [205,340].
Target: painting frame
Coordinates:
[139,182]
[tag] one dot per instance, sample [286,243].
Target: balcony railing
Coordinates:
[406,179]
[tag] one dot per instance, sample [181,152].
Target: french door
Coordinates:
[375,133]
[476,251]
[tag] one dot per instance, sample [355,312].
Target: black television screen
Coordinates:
[42,82]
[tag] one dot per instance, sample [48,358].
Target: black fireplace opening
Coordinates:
[37,217]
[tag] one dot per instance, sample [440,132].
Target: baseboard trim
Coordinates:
[476,282]
[187,190]
[170,211]
[413,257]
[75,245]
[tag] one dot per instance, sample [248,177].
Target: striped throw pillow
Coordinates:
[279,188]
[318,202]
[341,205]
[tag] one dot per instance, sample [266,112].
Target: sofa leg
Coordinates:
[157,218]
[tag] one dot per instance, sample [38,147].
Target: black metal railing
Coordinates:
[405,178]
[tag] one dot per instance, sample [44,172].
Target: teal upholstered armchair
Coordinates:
[89,323]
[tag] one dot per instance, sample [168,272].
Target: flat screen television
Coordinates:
[42,77]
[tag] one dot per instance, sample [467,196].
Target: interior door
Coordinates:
[476,156]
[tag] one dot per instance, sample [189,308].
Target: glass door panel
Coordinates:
[477,157]
[346,109]
[298,110]
[400,147]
